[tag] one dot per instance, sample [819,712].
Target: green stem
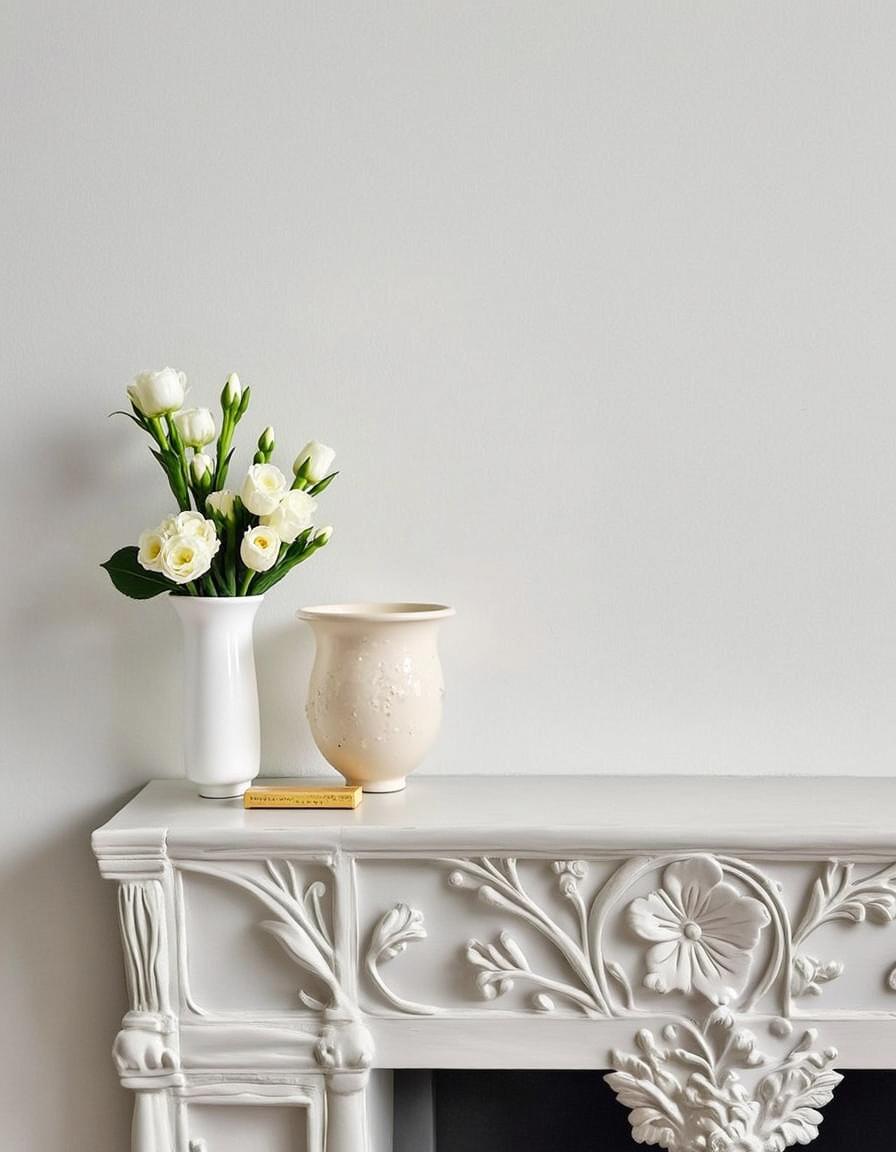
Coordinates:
[223,447]
[230,557]
[209,585]
[246,581]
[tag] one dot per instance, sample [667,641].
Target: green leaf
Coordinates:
[130,416]
[131,578]
[322,485]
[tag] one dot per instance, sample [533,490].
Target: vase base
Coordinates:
[223,791]
[393,784]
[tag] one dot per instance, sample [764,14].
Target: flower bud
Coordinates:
[157,393]
[322,535]
[266,441]
[260,548]
[313,462]
[232,393]
[221,503]
[201,468]
[196,426]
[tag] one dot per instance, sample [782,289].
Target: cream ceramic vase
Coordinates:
[222,733]
[375,697]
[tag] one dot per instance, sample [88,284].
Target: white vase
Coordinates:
[375,697]
[222,734]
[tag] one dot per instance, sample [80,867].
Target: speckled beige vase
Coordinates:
[375,697]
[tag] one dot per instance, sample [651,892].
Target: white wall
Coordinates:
[596,302]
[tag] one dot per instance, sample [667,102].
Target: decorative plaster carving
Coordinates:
[141,911]
[703,931]
[141,1049]
[394,931]
[300,926]
[717,943]
[497,883]
[344,1046]
[837,895]
[689,1097]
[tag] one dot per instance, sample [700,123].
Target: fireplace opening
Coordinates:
[467,1110]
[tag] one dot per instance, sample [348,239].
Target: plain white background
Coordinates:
[595,301]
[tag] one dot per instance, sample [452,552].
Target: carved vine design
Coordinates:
[299,926]
[837,895]
[701,925]
[497,883]
[717,959]
[396,929]
[688,1097]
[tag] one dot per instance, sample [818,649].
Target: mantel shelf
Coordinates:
[784,813]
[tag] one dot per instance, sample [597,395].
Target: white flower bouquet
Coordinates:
[219,542]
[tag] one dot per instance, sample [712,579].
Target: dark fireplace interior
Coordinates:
[556,1111]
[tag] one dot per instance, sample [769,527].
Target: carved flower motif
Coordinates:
[703,930]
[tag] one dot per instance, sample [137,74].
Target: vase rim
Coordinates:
[399,612]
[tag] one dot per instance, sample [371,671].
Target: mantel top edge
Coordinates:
[786,813]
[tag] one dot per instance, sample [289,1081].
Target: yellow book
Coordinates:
[298,797]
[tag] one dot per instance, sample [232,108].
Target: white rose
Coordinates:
[156,393]
[196,426]
[149,549]
[315,459]
[195,525]
[221,502]
[185,558]
[292,515]
[200,467]
[260,548]
[263,489]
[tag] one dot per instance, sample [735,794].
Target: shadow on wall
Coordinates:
[69,993]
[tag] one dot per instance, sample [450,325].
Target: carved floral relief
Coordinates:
[702,931]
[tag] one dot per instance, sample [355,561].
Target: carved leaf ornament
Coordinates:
[688,1097]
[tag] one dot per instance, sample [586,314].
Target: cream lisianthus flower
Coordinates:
[194,524]
[292,515]
[196,426]
[149,549]
[155,393]
[184,558]
[260,548]
[264,487]
[221,502]
[314,461]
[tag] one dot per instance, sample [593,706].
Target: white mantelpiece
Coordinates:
[722,944]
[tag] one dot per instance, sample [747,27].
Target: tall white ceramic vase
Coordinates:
[375,697]
[222,733]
